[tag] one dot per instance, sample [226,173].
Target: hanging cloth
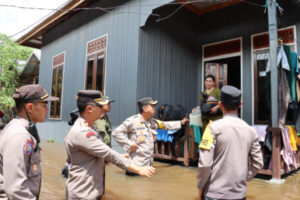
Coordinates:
[287,151]
[281,57]
[291,75]
[283,97]
[294,140]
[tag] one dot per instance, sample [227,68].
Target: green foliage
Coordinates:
[10,56]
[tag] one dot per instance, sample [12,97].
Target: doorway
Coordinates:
[227,71]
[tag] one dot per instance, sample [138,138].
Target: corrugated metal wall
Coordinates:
[122,27]
[168,59]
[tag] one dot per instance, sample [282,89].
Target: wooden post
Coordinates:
[186,145]
[170,149]
[276,146]
[192,143]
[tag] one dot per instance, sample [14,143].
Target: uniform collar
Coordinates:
[231,115]
[24,121]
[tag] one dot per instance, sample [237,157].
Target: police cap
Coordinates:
[91,96]
[230,94]
[146,100]
[32,93]
[107,100]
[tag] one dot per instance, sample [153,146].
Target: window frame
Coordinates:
[95,69]
[57,66]
[93,51]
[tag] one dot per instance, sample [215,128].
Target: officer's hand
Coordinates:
[184,120]
[133,148]
[126,155]
[146,171]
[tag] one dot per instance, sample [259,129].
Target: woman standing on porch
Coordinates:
[209,101]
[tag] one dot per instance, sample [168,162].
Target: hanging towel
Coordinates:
[281,56]
[294,140]
[197,135]
[165,135]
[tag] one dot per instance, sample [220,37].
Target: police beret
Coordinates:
[91,96]
[33,93]
[230,94]
[146,100]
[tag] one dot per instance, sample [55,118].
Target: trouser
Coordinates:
[208,198]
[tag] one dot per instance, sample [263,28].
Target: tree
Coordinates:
[11,57]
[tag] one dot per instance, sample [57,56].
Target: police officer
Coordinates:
[136,134]
[223,157]
[87,152]
[20,168]
[103,125]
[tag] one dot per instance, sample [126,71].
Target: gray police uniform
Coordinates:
[136,131]
[86,152]
[226,145]
[20,167]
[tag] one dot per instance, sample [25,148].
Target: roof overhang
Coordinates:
[34,37]
[204,7]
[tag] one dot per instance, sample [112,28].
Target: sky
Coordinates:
[13,20]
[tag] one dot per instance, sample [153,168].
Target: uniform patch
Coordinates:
[141,132]
[207,139]
[140,124]
[28,147]
[142,138]
[35,168]
[89,134]
[160,124]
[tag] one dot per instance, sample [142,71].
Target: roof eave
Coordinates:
[38,30]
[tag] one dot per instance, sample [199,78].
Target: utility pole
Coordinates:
[276,131]
[273,55]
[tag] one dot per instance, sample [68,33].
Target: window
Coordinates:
[56,90]
[95,70]
[262,88]
[262,81]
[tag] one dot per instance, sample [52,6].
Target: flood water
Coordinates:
[171,182]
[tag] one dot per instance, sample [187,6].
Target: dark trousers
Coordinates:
[208,198]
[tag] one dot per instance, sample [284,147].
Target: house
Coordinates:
[30,71]
[159,48]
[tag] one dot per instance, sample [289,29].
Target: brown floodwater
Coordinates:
[170,182]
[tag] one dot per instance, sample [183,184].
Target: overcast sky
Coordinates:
[13,20]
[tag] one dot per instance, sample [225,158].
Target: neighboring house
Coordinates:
[152,48]
[30,72]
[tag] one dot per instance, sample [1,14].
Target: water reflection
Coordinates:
[170,182]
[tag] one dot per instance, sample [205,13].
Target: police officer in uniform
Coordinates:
[103,125]
[136,134]
[87,152]
[224,150]
[20,167]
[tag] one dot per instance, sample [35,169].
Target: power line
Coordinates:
[109,9]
